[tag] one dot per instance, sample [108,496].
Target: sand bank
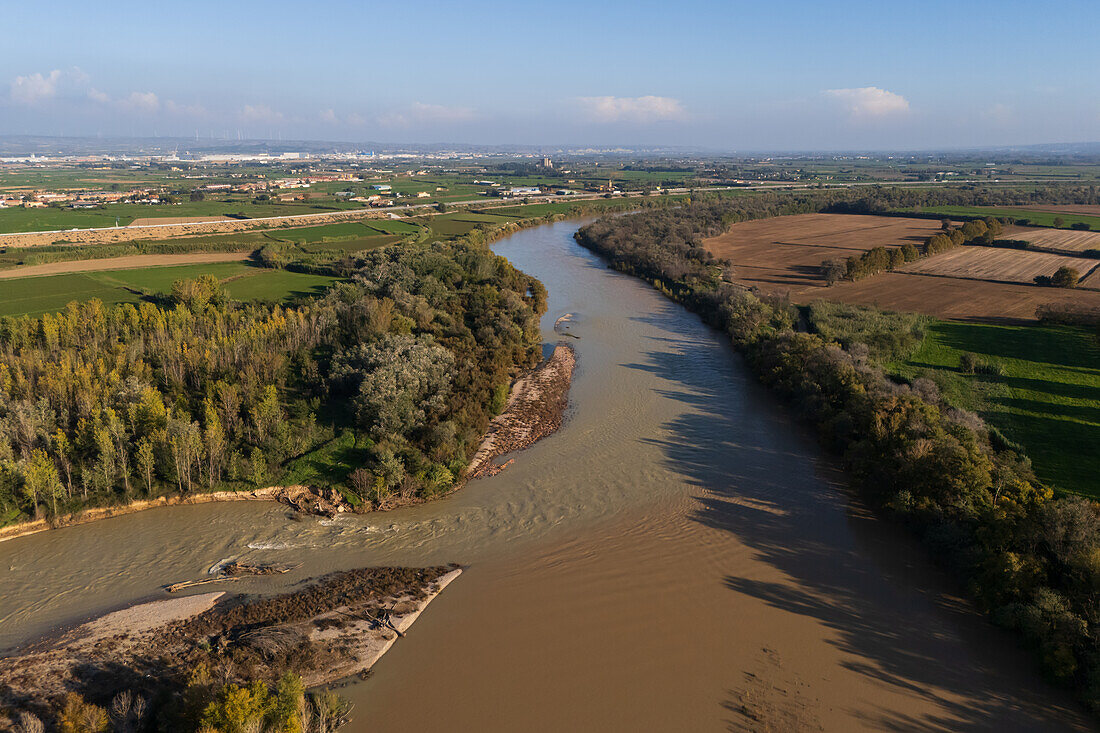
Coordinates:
[336,627]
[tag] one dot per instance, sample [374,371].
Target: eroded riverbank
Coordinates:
[678,556]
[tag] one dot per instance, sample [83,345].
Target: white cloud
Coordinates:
[328,115]
[34,88]
[999,114]
[192,110]
[869,101]
[97,96]
[259,113]
[419,113]
[632,109]
[141,102]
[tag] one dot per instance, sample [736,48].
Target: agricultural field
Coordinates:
[1076,209]
[785,253]
[391,226]
[120,263]
[948,297]
[37,295]
[1040,216]
[53,219]
[1063,240]
[325,232]
[1043,391]
[997,264]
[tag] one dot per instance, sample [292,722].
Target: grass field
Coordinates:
[308,235]
[1047,399]
[1037,218]
[37,295]
[50,219]
[391,226]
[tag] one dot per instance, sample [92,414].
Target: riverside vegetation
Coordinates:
[1032,561]
[397,371]
[380,388]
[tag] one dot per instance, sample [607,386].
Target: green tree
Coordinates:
[1065,277]
[78,716]
[237,709]
[40,478]
[258,464]
[145,458]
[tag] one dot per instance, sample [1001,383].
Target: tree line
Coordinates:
[884,259]
[1030,560]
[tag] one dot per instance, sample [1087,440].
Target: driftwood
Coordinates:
[192,583]
[243,568]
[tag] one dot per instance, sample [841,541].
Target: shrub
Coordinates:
[1065,277]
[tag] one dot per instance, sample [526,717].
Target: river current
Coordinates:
[680,556]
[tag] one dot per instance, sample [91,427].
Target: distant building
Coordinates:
[423,194]
[547,164]
[382,187]
[520,191]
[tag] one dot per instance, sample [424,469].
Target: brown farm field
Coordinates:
[947,297]
[997,264]
[1091,280]
[784,253]
[1064,240]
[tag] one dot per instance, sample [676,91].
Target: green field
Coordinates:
[52,219]
[1035,218]
[34,220]
[307,235]
[391,226]
[37,295]
[338,247]
[1047,399]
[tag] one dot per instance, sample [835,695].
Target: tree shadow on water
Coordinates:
[893,616]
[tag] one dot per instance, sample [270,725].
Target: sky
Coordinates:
[726,76]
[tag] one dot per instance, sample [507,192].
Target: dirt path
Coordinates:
[146,221]
[121,263]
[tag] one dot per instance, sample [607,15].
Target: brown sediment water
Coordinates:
[679,556]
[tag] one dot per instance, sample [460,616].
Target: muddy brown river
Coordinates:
[679,557]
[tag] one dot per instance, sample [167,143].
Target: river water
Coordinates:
[678,557]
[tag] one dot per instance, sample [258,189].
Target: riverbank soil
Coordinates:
[535,409]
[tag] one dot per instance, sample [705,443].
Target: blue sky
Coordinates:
[734,75]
